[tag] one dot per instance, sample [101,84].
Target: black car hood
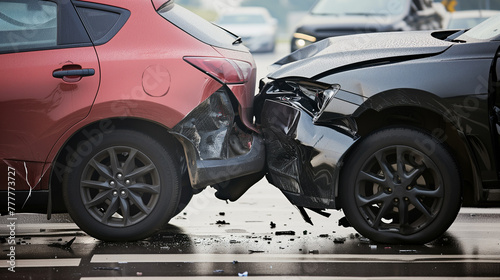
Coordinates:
[335,52]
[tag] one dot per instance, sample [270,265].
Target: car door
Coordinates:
[49,78]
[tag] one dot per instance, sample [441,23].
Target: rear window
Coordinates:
[198,27]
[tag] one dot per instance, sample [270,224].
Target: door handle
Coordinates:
[77,72]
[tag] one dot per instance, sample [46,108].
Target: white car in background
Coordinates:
[468,19]
[255,25]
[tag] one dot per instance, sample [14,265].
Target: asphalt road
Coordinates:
[212,239]
[262,236]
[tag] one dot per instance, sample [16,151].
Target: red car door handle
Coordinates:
[77,72]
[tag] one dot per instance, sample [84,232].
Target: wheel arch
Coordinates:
[96,130]
[430,122]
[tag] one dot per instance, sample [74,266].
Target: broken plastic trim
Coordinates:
[326,97]
[318,95]
[303,159]
[215,149]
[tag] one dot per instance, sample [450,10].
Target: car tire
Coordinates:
[124,186]
[400,185]
[185,198]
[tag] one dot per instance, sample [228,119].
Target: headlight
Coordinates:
[301,40]
[325,99]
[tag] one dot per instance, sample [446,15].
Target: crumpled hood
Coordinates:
[336,52]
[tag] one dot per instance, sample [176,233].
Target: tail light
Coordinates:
[224,70]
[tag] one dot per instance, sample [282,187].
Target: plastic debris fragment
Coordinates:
[288,232]
[339,240]
[344,222]
[65,246]
[107,268]
[255,251]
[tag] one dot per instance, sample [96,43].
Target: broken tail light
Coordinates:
[226,71]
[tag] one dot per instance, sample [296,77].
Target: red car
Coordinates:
[118,111]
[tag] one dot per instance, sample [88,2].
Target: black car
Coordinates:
[330,18]
[399,130]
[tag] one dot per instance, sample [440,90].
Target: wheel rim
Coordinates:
[399,189]
[120,186]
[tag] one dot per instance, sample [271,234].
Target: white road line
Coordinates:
[282,278]
[41,263]
[41,228]
[292,258]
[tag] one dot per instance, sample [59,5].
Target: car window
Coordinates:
[464,23]
[487,30]
[27,25]
[102,22]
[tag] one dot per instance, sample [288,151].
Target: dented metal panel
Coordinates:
[340,52]
[303,159]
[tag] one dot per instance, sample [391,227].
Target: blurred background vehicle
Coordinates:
[330,18]
[468,19]
[463,5]
[255,25]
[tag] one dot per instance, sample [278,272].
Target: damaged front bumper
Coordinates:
[304,148]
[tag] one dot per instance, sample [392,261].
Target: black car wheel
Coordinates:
[400,186]
[124,187]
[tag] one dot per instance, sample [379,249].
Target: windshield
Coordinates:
[486,31]
[360,7]
[464,23]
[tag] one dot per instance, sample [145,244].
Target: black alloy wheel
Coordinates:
[400,186]
[125,189]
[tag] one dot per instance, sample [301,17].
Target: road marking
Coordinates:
[292,258]
[282,278]
[39,229]
[42,263]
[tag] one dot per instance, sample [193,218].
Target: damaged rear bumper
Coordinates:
[219,150]
[303,158]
